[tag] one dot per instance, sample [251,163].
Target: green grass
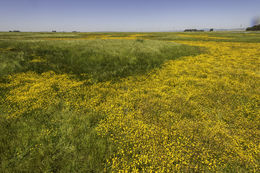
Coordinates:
[249,37]
[70,145]
[60,138]
[99,59]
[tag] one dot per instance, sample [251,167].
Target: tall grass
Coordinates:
[40,130]
[99,59]
[71,103]
[51,141]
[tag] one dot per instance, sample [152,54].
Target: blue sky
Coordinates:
[125,15]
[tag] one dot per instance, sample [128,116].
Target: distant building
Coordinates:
[53,31]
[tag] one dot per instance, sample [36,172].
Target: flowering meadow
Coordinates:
[130,102]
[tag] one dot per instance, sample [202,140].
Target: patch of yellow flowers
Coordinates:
[196,113]
[204,36]
[31,92]
[37,59]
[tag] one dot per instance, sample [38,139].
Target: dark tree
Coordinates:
[254,28]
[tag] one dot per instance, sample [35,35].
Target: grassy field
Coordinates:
[130,102]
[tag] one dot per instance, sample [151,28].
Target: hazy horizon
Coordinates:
[123,16]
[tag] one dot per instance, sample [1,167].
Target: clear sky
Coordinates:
[125,15]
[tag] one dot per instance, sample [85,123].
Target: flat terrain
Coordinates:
[136,102]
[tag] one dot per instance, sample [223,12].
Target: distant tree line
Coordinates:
[193,30]
[254,28]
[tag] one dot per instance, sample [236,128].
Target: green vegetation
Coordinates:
[100,59]
[103,102]
[254,28]
[52,140]
[57,137]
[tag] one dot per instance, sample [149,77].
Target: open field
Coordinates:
[136,102]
